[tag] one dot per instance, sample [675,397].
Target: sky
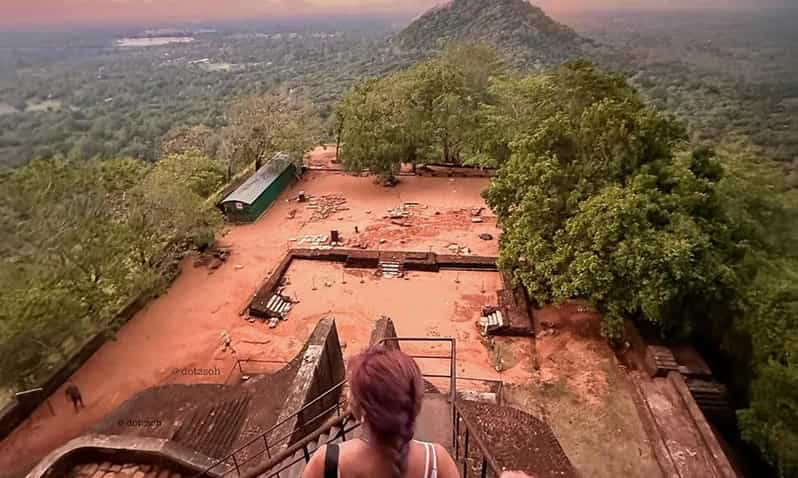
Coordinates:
[20,13]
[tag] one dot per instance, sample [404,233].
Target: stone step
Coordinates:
[213,429]
[278,306]
[295,471]
[491,321]
[390,269]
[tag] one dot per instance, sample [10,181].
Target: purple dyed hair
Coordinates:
[387,391]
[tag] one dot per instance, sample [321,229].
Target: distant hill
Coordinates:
[521,31]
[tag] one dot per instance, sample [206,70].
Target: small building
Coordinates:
[250,200]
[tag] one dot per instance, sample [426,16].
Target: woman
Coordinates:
[386,391]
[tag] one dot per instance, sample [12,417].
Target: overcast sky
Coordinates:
[61,12]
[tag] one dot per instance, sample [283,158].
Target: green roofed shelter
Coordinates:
[250,200]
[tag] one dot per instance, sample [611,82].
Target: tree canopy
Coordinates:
[262,125]
[428,113]
[602,197]
[85,237]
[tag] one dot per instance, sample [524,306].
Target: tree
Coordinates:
[375,136]
[183,139]
[261,126]
[166,210]
[764,339]
[63,259]
[83,238]
[601,197]
[597,201]
[428,113]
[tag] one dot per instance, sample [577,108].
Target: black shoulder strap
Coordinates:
[331,461]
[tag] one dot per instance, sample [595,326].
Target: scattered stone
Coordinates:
[343,345]
[90,468]
[477,220]
[327,284]
[105,466]
[383,241]
[292,214]
[139,474]
[398,213]
[477,211]
[273,323]
[239,267]
[115,468]
[368,211]
[486,237]
[326,205]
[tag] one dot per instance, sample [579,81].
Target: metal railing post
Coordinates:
[235,462]
[465,454]
[457,435]
[306,453]
[266,444]
[453,372]
[484,467]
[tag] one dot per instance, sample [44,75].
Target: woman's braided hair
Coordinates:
[387,390]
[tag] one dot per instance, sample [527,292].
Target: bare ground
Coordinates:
[586,398]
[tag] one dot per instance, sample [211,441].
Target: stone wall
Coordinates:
[321,368]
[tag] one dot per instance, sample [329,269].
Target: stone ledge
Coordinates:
[124,448]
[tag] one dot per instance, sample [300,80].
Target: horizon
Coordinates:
[58,14]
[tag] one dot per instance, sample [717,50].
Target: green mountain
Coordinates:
[521,31]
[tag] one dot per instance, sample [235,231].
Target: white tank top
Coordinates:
[430,467]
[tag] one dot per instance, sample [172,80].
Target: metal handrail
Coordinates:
[264,436]
[238,362]
[488,462]
[452,376]
[282,455]
[302,444]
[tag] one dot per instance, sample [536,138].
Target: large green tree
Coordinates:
[598,201]
[428,113]
[262,125]
[81,240]
[602,197]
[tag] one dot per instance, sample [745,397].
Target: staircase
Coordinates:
[390,269]
[294,466]
[278,306]
[492,321]
[713,400]
[480,439]
[213,429]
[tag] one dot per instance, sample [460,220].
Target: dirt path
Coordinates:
[181,329]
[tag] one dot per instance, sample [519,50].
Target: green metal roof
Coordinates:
[253,187]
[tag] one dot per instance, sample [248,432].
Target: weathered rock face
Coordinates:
[521,31]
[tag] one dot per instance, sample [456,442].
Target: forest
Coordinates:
[603,196]
[86,237]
